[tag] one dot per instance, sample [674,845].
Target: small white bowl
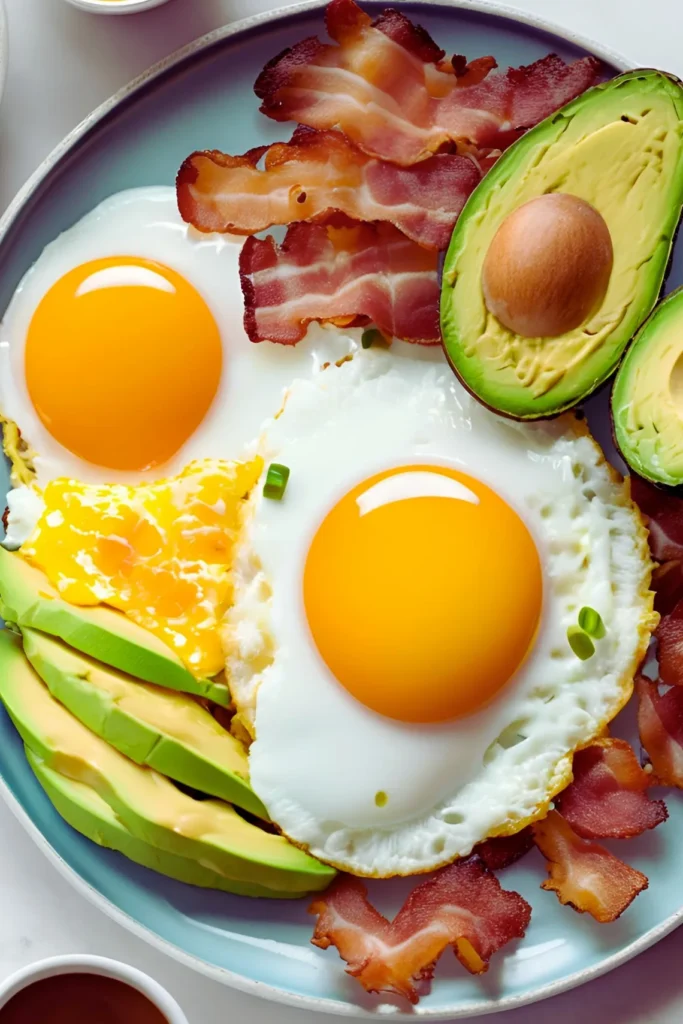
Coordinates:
[76,964]
[116,6]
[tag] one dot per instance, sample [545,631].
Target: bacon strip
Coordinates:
[669,635]
[502,851]
[318,173]
[463,906]
[667,583]
[386,86]
[664,513]
[608,797]
[586,876]
[353,274]
[660,723]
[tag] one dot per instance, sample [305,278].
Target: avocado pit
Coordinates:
[548,267]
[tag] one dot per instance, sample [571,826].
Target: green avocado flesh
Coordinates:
[150,807]
[28,599]
[619,147]
[165,730]
[89,814]
[647,397]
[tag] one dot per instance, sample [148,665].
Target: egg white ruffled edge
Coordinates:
[249,648]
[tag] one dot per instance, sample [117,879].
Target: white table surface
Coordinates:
[64,62]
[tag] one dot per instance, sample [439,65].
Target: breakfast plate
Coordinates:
[196,100]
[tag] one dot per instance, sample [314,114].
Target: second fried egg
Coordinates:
[123,355]
[398,642]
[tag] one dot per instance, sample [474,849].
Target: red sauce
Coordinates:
[77,998]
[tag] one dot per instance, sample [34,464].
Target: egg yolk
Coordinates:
[123,359]
[423,593]
[160,552]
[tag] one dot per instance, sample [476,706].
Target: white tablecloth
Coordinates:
[63,63]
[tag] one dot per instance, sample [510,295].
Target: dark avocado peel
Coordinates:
[647,397]
[618,147]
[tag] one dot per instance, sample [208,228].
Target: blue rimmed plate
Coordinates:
[198,99]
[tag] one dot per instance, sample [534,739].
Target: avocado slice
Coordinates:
[647,396]
[619,147]
[147,803]
[27,598]
[86,811]
[162,729]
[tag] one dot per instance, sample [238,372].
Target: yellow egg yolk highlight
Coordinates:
[123,359]
[159,552]
[423,593]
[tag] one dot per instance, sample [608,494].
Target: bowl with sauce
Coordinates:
[116,6]
[65,989]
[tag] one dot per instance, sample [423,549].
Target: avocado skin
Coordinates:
[28,599]
[65,674]
[148,804]
[87,813]
[643,349]
[546,408]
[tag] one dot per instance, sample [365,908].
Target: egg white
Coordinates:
[145,222]
[319,756]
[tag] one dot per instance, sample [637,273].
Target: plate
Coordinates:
[4,48]
[201,98]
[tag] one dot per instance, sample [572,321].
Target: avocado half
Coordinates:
[619,147]
[647,396]
[27,598]
[207,832]
[168,731]
[86,811]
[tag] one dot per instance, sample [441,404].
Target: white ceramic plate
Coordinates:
[203,97]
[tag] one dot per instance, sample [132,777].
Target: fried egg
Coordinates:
[397,646]
[122,353]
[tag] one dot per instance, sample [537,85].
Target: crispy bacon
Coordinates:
[351,274]
[660,723]
[586,876]
[463,906]
[608,797]
[664,513]
[385,85]
[470,72]
[502,851]
[667,583]
[669,635]
[316,174]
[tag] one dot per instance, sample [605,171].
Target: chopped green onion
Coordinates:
[276,481]
[581,644]
[371,337]
[591,622]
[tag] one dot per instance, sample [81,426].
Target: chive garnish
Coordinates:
[371,337]
[591,622]
[276,481]
[580,643]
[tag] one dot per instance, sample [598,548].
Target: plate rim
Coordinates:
[68,145]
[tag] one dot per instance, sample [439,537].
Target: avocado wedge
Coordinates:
[89,814]
[28,599]
[619,148]
[159,728]
[147,803]
[647,397]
